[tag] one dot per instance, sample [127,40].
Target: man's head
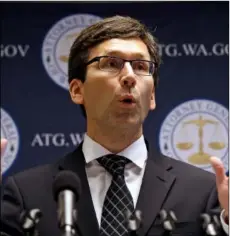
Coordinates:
[101,78]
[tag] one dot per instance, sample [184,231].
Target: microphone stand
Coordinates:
[71,230]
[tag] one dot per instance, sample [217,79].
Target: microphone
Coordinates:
[66,192]
[210,224]
[168,220]
[29,220]
[134,221]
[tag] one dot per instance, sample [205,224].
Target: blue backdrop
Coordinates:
[190,122]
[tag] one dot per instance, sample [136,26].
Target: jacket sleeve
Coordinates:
[11,207]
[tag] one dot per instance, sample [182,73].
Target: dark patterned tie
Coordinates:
[118,199]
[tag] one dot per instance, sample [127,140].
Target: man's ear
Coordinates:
[76,90]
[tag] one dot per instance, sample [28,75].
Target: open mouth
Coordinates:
[128,101]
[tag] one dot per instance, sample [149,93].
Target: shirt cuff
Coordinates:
[223,223]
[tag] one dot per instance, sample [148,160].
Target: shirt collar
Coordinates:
[136,152]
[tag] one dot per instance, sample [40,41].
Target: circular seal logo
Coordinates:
[57,44]
[194,131]
[9,131]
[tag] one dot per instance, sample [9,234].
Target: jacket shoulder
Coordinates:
[187,170]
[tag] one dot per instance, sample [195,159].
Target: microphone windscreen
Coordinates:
[66,180]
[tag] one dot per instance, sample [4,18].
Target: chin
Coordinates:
[123,118]
[128,121]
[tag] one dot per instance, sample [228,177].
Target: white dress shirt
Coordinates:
[99,179]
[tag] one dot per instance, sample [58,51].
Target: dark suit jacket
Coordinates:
[167,184]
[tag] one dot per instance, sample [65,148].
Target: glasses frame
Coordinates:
[152,67]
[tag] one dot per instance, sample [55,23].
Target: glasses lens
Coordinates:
[111,64]
[142,67]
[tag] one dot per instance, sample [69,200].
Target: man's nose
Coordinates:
[128,77]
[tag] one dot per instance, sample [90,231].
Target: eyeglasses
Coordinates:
[115,65]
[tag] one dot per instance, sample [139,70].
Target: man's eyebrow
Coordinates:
[119,53]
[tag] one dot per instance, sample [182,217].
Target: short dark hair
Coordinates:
[109,28]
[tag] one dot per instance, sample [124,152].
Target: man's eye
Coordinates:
[113,63]
[141,66]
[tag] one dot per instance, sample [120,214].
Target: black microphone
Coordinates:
[66,191]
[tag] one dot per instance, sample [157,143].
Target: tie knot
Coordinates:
[114,164]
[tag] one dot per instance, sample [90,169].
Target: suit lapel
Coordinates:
[86,218]
[156,184]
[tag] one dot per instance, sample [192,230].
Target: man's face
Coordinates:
[121,98]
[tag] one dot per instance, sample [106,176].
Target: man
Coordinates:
[113,74]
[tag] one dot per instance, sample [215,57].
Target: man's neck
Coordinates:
[115,140]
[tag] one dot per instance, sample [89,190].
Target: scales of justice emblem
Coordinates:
[69,39]
[57,43]
[200,157]
[194,137]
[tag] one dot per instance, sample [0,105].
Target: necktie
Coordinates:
[118,199]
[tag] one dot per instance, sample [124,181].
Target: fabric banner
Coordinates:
[190,122]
